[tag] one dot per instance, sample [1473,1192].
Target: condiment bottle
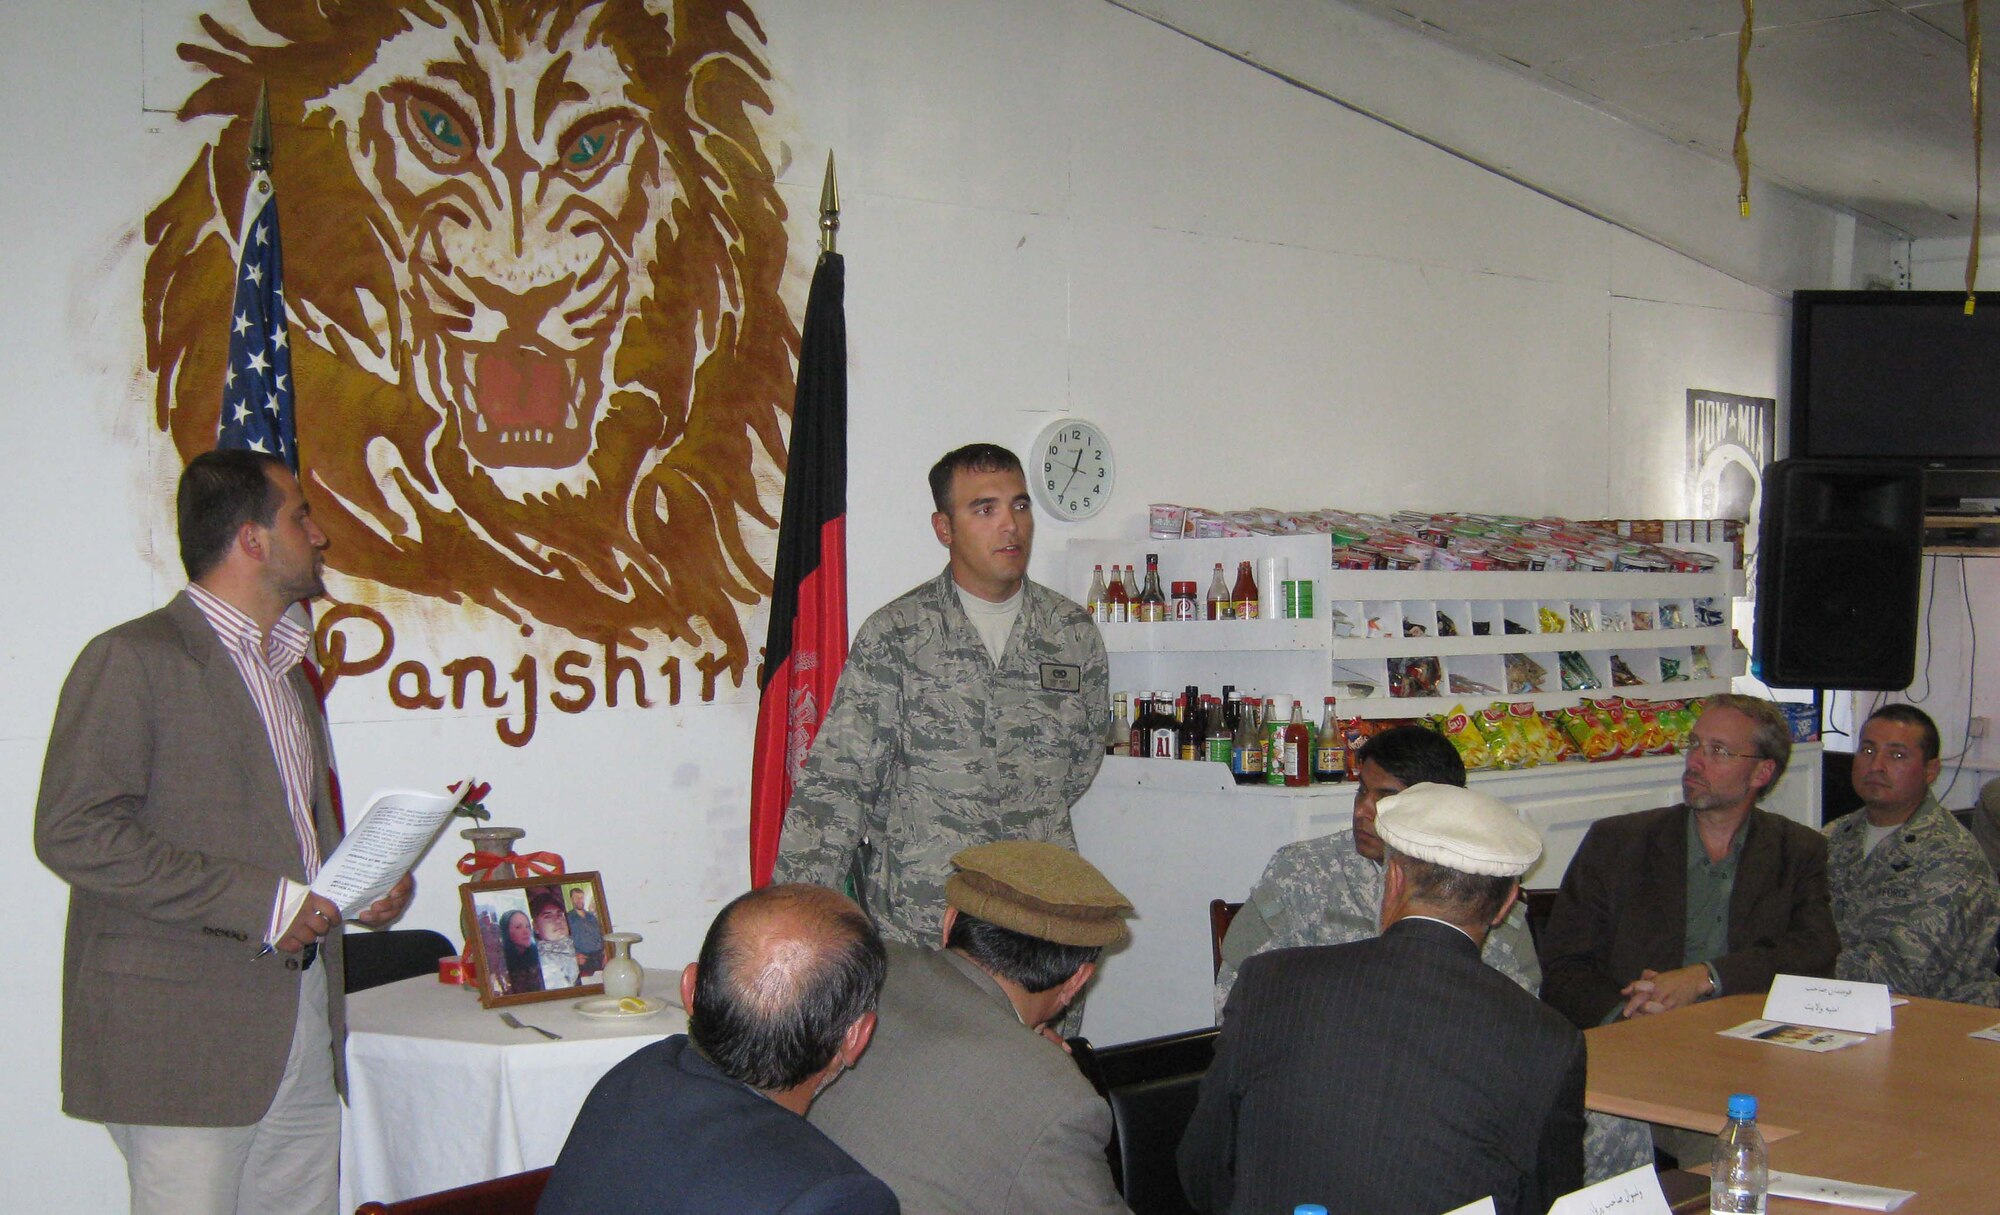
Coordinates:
[1330,750]
[1094,601]
[1246,746]
[1277,716]
[1193,736]
[1119,740]
[1117,601]
[1184,606]
[1151,606]
[1244,595]
[1220,605]
[1297,742]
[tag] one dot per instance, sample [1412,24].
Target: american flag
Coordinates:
[257,386]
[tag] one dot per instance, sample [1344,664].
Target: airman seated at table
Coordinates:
[781,1002]
[1913,895]
[1398,1075]
[964,1105]
[1712,896]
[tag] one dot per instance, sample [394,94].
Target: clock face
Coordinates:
[1072,469]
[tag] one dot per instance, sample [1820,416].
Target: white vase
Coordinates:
[623,976]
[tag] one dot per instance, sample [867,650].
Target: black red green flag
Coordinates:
[807,642]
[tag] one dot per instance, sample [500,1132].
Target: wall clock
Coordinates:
[1071,469]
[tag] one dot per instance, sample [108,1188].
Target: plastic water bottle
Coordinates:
[1741,1172]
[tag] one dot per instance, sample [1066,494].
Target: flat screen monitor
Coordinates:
[1897,375]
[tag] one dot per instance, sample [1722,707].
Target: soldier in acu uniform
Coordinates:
[1913,895]
[973,708]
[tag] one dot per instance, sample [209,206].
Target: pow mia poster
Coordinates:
[1729,441]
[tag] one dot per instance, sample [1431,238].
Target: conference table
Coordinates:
[443,1093]
[1912,1108]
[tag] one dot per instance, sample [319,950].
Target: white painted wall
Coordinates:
[1050,206]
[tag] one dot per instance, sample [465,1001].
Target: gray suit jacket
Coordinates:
[960,1108]
[162,807]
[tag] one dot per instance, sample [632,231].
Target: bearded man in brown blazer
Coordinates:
[185,800]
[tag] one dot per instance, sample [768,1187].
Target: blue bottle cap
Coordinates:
[1308,1208]
[1742,1105]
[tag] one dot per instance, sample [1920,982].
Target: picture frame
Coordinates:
[526,934]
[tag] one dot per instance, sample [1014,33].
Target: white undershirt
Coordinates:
[992,621]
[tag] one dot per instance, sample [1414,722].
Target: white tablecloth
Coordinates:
[440,1093]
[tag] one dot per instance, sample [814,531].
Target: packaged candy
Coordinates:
[1414,677]
[1642,620]
[1581,619]
[1525,675]
[1577,675]
[1672,670]
[1698,659]
[1465,685]
[1622,675]
[1550,619]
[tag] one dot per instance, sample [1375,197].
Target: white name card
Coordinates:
[1635,1193]
[1829,1003]
[1483,1207]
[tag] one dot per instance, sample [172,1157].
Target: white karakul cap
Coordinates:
[1459,829]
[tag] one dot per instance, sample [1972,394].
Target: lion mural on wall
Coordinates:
[536,251]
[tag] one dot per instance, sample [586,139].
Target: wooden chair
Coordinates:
[1151,1086]
[375,958]
[1220,914]
[515,1195]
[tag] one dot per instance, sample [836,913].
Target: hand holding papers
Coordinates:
[399,825]
[1829,1003]
[1635,1193]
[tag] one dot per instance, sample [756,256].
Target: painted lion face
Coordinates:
[536,251]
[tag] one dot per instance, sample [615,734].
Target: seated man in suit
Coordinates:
[1913,895]
[1328,890]
[1398,1075]
[781,1001]
[965,1104]
[1661,908]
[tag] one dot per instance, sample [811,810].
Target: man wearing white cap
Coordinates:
[1399,1074]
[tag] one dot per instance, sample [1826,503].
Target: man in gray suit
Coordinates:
[185,800]
[967,1100]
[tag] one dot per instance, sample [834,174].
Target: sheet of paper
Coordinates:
[1829,1003]
[1798,1037]
[1840,1193]
[1483,1207]
[1991,1033]
[399,825]
[1635,1193]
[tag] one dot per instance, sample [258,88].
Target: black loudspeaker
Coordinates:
[1838,573]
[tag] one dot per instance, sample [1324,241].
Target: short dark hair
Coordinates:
[973,457]
[1415,755]
[1035,964]
[1772,736]
[1469,897]
[1911,715]
[219,492]
[774,1019]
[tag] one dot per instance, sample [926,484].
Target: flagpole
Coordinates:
[260,131]
[829,208]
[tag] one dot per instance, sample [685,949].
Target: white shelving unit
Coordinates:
[1368,624]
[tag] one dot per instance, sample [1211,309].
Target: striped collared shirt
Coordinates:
[264,666]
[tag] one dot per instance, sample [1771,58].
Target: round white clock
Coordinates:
[1071,469]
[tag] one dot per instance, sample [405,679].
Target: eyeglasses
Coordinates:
[1717,751]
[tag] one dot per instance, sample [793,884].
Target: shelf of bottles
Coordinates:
[1411,643]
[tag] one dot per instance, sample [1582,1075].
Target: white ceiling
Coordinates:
[1859,104]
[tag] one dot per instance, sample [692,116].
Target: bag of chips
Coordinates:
[1458,729]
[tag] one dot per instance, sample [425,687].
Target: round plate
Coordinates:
[606,1008]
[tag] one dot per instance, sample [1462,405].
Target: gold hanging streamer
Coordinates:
[1743,112]
[1972,58]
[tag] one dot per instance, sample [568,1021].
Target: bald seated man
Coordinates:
[969,1102]
[781,1002]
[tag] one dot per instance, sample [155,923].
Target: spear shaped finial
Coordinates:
[829,208]
[260,131]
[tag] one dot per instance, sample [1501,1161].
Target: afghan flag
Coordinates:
[807,642]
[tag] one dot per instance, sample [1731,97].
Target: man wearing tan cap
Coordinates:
[965,1103]
[1399,1074]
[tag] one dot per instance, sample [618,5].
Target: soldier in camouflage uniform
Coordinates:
[1328,891]
[972,709]
[1913,895]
